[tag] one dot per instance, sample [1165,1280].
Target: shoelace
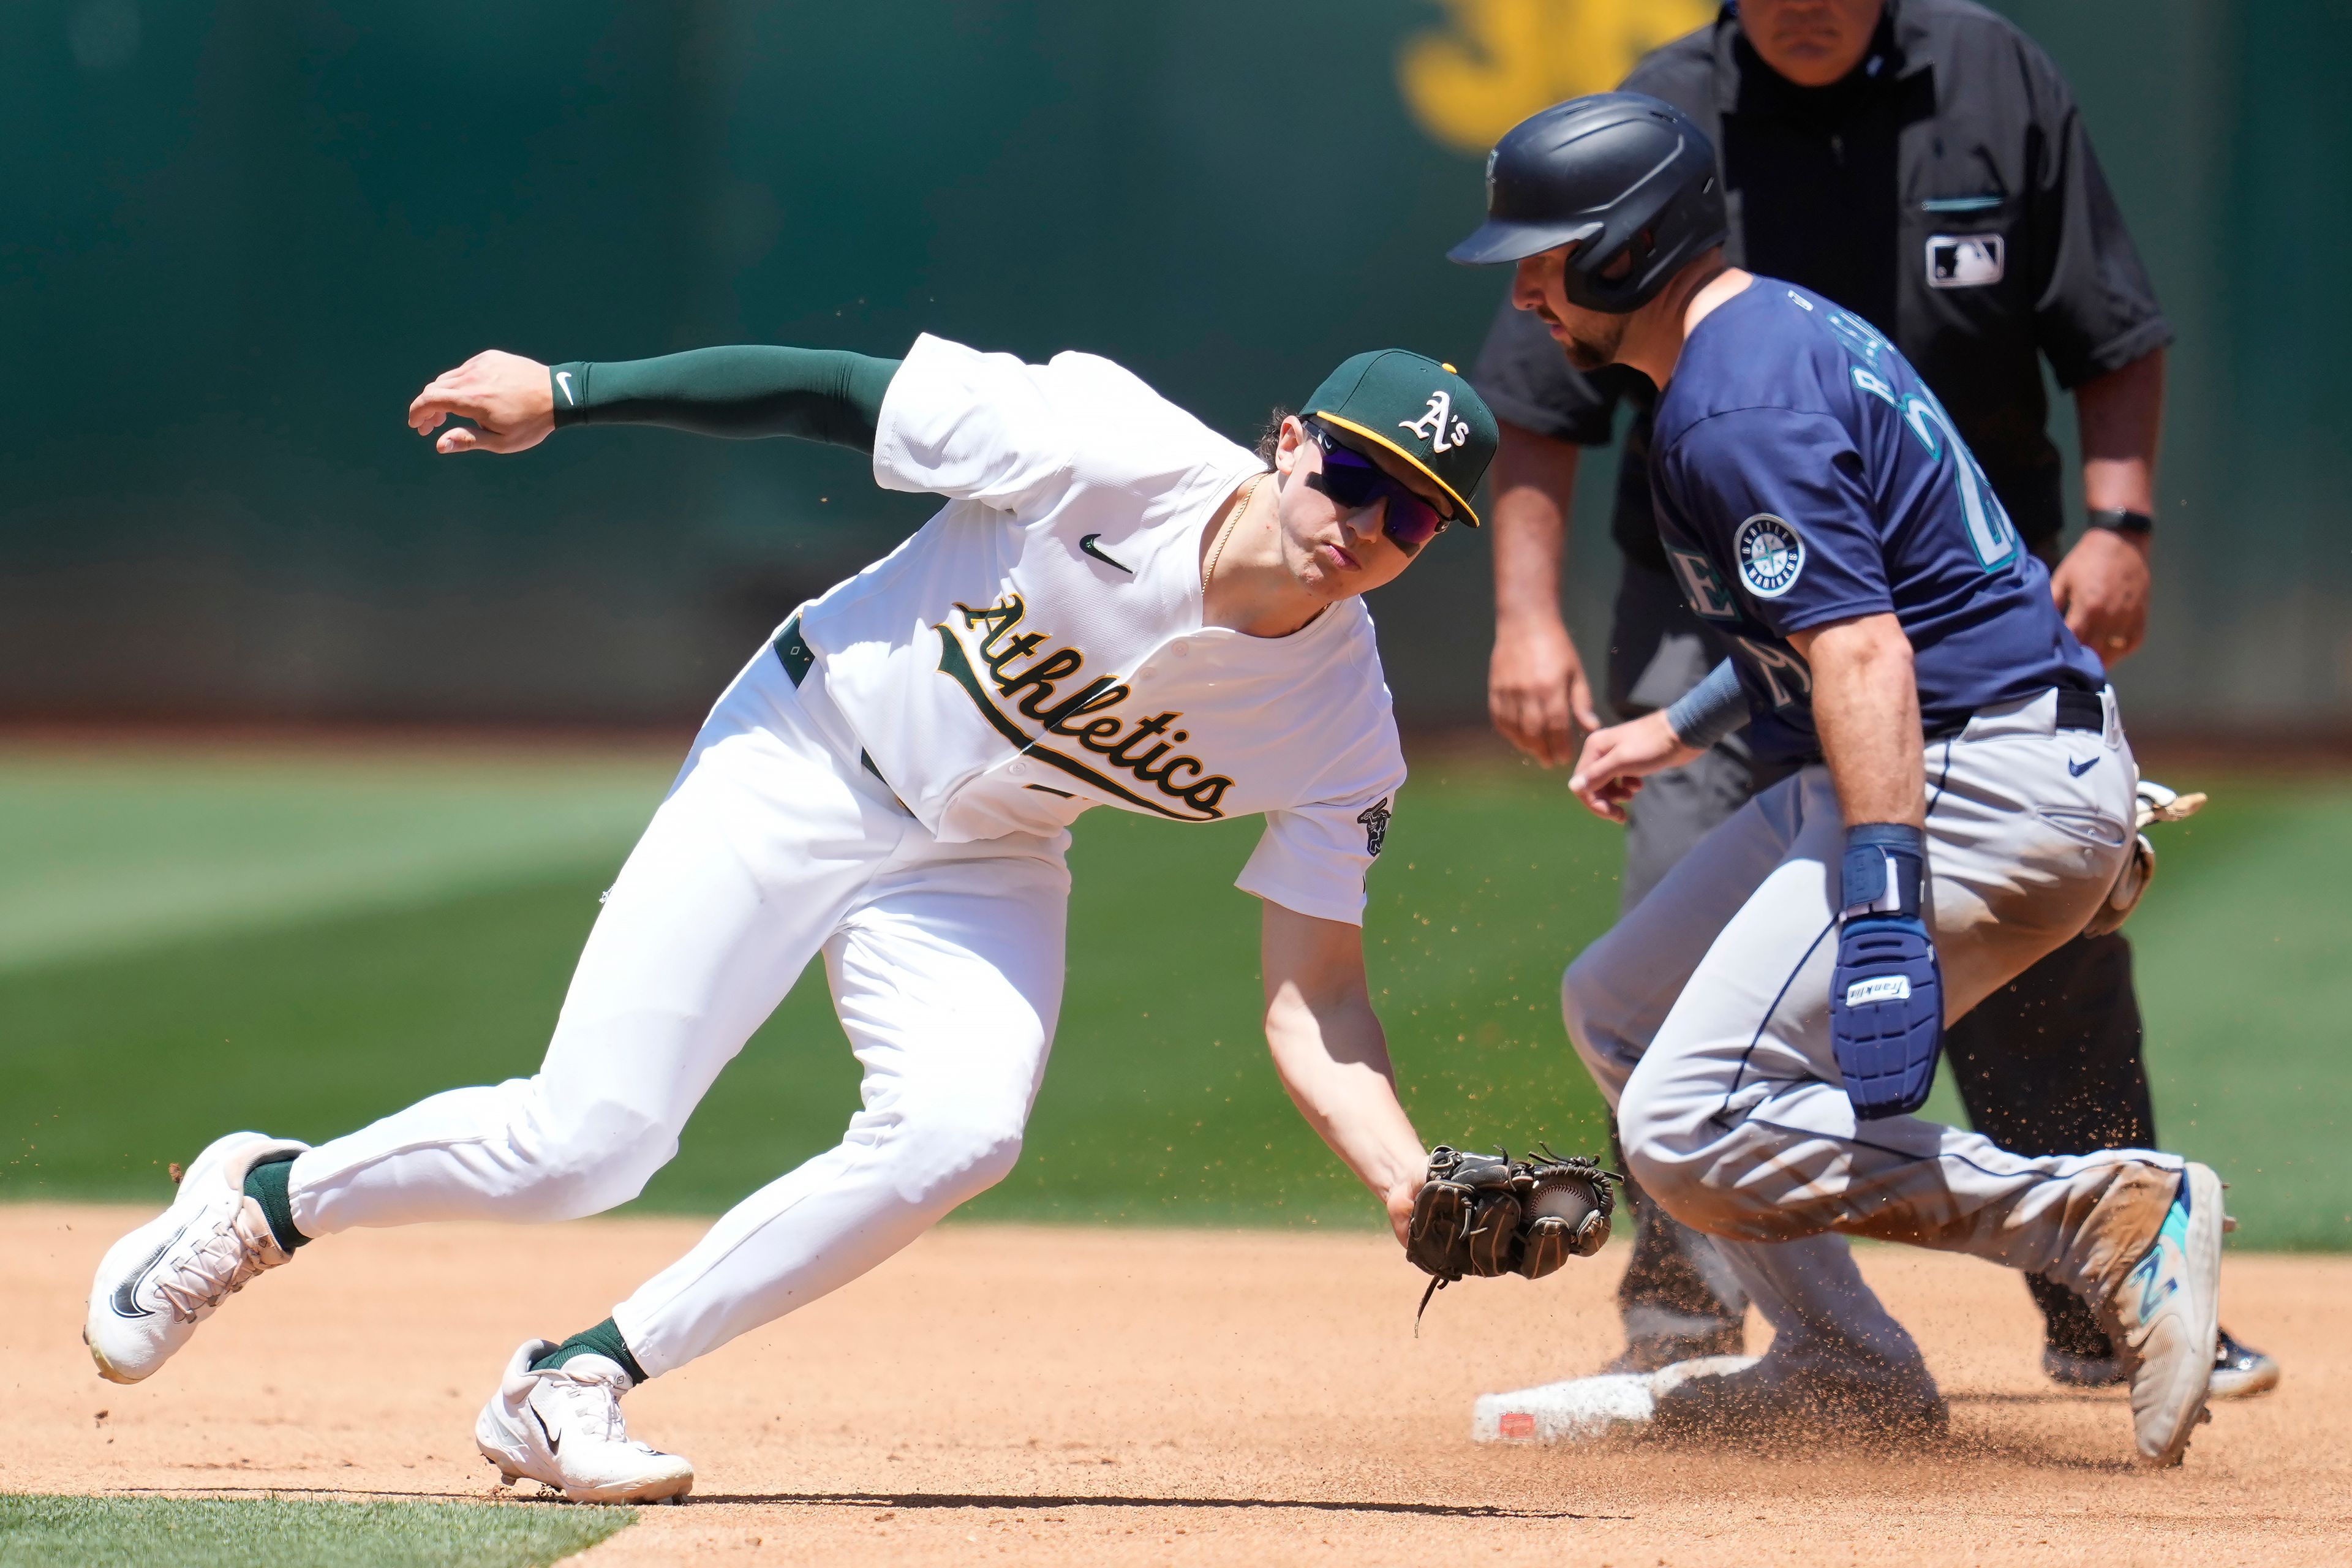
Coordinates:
[215,1269]
[589,1406]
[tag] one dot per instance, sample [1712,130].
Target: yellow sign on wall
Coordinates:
[1497,61]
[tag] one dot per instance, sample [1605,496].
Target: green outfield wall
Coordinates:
[238,236]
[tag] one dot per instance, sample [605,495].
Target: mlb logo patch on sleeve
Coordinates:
[1964,260]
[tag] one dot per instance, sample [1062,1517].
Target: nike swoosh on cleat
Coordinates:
[1087,545]
[126,1295]
[554,1443]
[2079,769]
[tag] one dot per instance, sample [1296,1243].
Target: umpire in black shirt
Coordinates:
[1923,163]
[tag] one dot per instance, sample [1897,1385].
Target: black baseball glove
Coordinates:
[1489,1214]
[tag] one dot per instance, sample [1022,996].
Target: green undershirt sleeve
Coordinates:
[742,393]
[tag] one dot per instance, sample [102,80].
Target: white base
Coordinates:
[1588,1409]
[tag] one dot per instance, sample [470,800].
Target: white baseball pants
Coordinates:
[1704,1015]
[945,961]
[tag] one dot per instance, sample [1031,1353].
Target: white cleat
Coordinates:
[2168,1308]
[562,1428]
[155,1285]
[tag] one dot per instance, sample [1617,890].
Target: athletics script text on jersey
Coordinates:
[1041,647]
[1046,690]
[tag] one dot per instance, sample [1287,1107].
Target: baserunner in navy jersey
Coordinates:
[1783,407]
[1766,1020]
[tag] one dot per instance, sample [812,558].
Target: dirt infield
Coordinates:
[1032,1395]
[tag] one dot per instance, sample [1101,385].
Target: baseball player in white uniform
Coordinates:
[1767,1018]
[1117,606]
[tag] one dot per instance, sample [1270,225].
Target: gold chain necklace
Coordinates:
[1217,551]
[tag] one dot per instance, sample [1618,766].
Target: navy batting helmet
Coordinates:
[1616,174]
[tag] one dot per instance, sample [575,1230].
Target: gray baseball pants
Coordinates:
[2049,1064]
[1704,1015]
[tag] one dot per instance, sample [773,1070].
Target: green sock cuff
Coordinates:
[603,1339]
[266,1184]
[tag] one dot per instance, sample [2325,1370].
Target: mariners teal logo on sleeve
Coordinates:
[1770,554]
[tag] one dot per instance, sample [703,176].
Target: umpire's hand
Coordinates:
[2102,589]
[1536,692]
[506,396]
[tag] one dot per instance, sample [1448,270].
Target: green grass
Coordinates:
[271,1532]
[118,855]
[161,1025]
[2245,973]
[1160,1104]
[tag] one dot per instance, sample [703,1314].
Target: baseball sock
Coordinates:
[603,1339]
[266,1184]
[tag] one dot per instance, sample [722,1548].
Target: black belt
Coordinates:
[2081,710]
[798,658]
[2077,710]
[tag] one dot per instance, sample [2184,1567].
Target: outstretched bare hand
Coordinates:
[1610,771]
[506,395]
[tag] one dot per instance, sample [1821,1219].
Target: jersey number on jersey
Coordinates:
[1790,677]
[1990,533]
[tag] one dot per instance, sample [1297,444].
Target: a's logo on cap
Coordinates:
[1770,555]
[1437,425]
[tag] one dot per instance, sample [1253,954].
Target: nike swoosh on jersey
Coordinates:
[126,1295]
[2079,769]
[564,376]
[1087,545]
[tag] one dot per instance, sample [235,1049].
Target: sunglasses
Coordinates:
[1354,481]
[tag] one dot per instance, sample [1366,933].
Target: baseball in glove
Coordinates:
[1489,1215]
[2155,804]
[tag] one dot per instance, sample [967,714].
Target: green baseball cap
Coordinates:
[1419,409]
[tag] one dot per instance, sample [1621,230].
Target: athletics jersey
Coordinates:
[1804,475]
[1036,648]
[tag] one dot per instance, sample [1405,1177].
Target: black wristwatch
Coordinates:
[2122,522]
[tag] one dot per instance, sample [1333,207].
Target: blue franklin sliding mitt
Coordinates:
[1886,994]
